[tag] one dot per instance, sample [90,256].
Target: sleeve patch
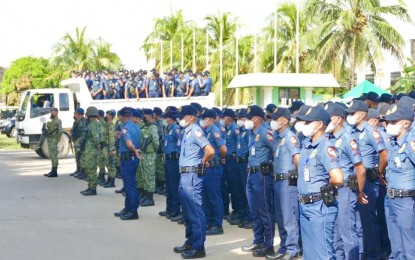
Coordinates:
[331,151]
[376,134]
[198,133]
[217,135]
[354,145]
[293,141]
[124,131]
[270,137]
[413,146]
[237,131]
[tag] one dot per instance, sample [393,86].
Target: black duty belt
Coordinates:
[310,198]
[214,162]
[242,159]
[255,169]
[125,156]
[173,156]
[230,157]
[393,193]
[188,169]
[372,174]
[281,177]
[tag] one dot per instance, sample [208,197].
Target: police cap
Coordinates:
[111,113]
[240,112]
[399,112]
[136,113]
[147,111]
[227,112]
[197,106]
[101,113]
[270,108]
[316,113]
[217,110]
[280,112]
[296,105]
[372,96]
[334,109]
[157,111]
[126,111]
[373,113]
[208,113]
[386,98]
[80,111]
[187,110]
[407,102]
[357,105]
[302,111]
[254,110]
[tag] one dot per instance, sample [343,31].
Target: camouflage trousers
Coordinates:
[146,172]
[90,164]
[110,163]
[102,160]
[53,151]
[160,164]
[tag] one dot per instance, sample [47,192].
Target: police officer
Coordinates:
[207,84]
[374,155]
[129,155]
[91,150]
[259,184]
[172,154]
[97,87]
[110,152]
[348,227]
[318,172]
[195,153]
[76,132]
[153,90]
[54,133]
[399,202]
[160,160]
[286,157]
[212,195]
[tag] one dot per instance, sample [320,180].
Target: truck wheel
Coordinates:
[40,153]
[63,147]
[13,133]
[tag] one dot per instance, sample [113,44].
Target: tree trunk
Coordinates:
[353,65]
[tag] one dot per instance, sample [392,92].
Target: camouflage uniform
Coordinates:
[160,175]
[110,160]
[78,128]
[102,155]
[89,157]
[53,136]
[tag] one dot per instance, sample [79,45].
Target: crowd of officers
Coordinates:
[338,180]
[142,84]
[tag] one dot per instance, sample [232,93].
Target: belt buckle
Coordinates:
[187,169]
[391,193]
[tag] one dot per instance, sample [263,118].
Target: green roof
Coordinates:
[363,88]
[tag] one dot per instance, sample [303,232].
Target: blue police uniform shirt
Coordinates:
[152,85]
[208,84]
[192,144]
[400,172]
[171,139]
[261,146]
[231,138]
[215,139]
[370,144]
[286,146]
[129,132]
[242,148]
[195,85]
[96,84]
[347,150]
[317,159]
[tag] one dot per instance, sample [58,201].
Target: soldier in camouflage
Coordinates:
[54,133]
[110,149]
[160,160]
[76,132]
[92,150]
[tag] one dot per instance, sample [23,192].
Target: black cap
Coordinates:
[197,106]
[148,111]
[208,113]
[302,111]
[280,112]
[157,111]
[372,96]
[357,105]
[399,112]
[136,113]
[101,113]
[174,69]
[386,98]
[206,72]
[187,110]
[399,96]
[217,110]
[254,110]
[316,113]
[412,94]
[407,102]
[334,109]
[270,108]
[240,112]
[296,105]
[126,111]
[227,112]
[373,113]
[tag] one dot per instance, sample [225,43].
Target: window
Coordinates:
[40,104]
[395,76]
[63,102]
[286,94]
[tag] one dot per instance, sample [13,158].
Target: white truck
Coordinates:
[34,111]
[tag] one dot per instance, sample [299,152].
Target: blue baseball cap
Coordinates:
[187,110]
[197,106]
[101,113]
[111,113]
[386,97]
[407,102]
[372,96]
[169,114]
[399,112]
[157,111]
[136,113]
[280,112]
[254,110]
[208,113]
[270,108]
[334,109]
[314,114]
[357,105]
[227,112]
[126,111]
[302,111]
[80,111]
[240,112]
[147,111]
[373,113]
[296,105]
[217,110]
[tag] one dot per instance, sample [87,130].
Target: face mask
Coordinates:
[292,120]
[240,123]
[394,130]
[145,120]
[249,124]
[330,128]
[275,125]
[183,123]
[308,130]
[351,120]
[299,126]
[222,122]
[202,124]
[164,122]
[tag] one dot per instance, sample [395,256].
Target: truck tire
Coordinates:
[63,147]
[40,153]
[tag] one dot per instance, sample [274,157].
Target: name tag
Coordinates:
[253,151]
[306,174]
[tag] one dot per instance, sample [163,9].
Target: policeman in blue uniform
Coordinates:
[207,84]
[96,88]
[153,90]
[286,157]
[212,196]
[269,109]
[242,153]
[374,155]
[195,153]
[408,102]
[260,181]
[399,201]
[348,228]
[129,154]
[318,174]
[172,154]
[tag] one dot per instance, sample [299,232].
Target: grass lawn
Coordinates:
[8,143]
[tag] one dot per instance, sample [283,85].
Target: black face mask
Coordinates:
[145,120]
[106,119]
[52,116]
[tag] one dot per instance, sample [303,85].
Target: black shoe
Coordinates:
[252,247]
[149,200]
[89,192]
[280,256]
[81,175]
[262,252]
[192,254]
[214,230]
[163,213]
[235,221]
[110,183]
[129,216]
[181,221]
[246,225]
[183,248]
[120,190]
[226,217]
[122,212]
[101,179]
[176,218]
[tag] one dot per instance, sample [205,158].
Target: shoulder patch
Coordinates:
[293,140]
[257,137]
[361,136]
[124,131]
[270,137]
[354,145]
[178,130]
[217,135]
[223,129]
[313,153]
[282,141]
[402,148]
[331,151]
[237,131]
[376,134]
[198,133]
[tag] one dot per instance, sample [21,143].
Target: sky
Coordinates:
[33,27]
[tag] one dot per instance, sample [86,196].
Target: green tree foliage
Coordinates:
[407,82]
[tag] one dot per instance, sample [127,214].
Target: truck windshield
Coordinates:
[24,102]
[40,104]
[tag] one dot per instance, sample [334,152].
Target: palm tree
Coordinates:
[353,32]
[103,57]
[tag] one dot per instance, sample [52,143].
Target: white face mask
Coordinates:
[202,123]
[240,123]
[292,120]
[183,123]
[164,122]
[308,130]
[249,124]
[275,125]
[394,130]
[330,128]
[222,122]
[299,126]
[351,120]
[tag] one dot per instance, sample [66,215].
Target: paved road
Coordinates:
[43,218]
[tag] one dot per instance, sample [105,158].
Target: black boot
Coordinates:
[110,183]
[162,188]
[143,198]
[53,173]
[47,174]
[76,171]
[89,192]
[82,174]
[140,193]
[149,200]
[120,190]
[101,178]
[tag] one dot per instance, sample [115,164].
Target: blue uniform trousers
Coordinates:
[317,223]
[128,170]
[225,190]
[244,211]
[370,223]
[98,96]
[234,184]
[400,217]
[172,186]
[259,193]
[190,190]
[385,245]
[153,94]
[287,217]
[346,231]
[212,196]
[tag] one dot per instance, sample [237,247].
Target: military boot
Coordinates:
[149,200]
[140,193]
[76,171]
[143,198]
[47,174]
[89,192]
[53,173]
[81,175]
[110,183]
[162,188]
[101,179]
